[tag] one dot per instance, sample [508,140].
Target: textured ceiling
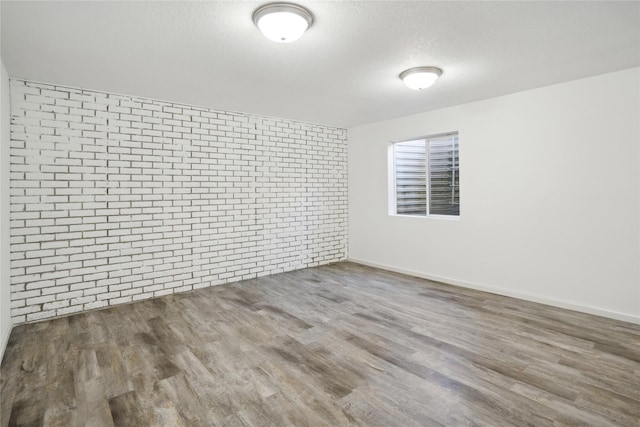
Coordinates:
[343,72]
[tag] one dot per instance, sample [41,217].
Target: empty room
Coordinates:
[320,213]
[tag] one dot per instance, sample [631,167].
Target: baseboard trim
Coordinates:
[5,339]
[505,292]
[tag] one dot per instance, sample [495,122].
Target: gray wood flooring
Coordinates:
[336,345]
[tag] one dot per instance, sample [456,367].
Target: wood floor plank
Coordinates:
[336,345]
[126,410]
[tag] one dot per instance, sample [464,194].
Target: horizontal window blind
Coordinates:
[411,178]
[426,176]
[444,175]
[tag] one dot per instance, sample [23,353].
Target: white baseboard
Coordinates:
[506,292]
[4,339]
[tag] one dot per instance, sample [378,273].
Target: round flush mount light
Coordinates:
[420,77]
[282,22]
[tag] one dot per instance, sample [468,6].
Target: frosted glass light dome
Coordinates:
[282,22]
[420,77]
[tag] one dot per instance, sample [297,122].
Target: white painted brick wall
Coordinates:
[116,199]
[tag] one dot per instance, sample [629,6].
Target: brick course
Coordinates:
[116,198]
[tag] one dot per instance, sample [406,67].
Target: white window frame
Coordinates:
[392,200]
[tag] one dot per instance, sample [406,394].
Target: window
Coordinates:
[425,176]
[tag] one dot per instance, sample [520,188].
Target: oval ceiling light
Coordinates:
[420,77]
[282,22]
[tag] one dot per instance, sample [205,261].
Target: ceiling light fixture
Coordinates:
[282,22]
[419,78]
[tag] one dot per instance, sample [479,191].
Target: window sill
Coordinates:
[445,217]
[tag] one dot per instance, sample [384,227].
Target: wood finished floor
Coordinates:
[335,345]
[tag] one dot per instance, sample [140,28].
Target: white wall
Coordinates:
[550,195]
[5,310]
[117,198]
